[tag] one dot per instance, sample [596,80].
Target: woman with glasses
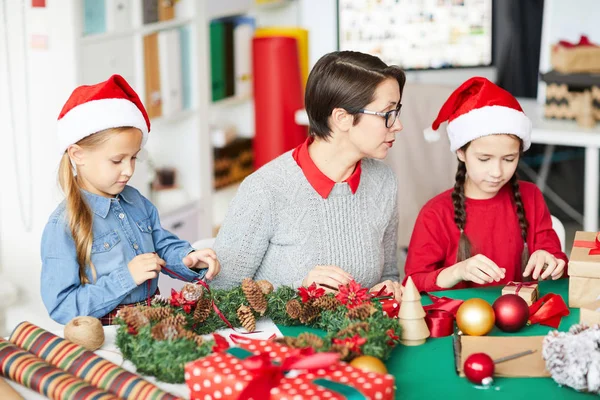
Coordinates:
[325,212]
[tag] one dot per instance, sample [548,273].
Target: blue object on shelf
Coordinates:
[94,20]
[186,66]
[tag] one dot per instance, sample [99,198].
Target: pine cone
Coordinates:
[254,295]
[342,350]
[361,312]
[203,309]
[165,331]
[133,317]
[158,313]
[246,318]
[356,328]
[159,300]
[309,312]
[288,341]
[327,302]
[177,320]
[185,334]
[293,309]
[309,340]
[265,286]
[192,292]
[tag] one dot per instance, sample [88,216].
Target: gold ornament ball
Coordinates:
[475,317]
[369,364]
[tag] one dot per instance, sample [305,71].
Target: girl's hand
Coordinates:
[479,269]
[390,286]
[201,259]
[329,277]
[543,265]
[145,266]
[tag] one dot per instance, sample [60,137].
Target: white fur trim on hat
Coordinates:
[97,115]
[489,120]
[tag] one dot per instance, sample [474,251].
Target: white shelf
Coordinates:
[143,30]
[232,101]
[177,117]
[221,199]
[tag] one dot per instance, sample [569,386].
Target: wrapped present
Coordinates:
[390,307]
[267,370]
[589,314]
[526,290]
[582,57]
[584,269]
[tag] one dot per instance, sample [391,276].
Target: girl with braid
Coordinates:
[491,228]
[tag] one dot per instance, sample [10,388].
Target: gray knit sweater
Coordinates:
[278,227]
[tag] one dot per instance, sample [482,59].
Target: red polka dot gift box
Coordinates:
[262,370]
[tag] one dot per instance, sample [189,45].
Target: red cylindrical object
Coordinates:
[277,97]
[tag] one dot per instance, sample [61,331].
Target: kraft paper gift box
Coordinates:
[584,269]
[590,314]
[528,291]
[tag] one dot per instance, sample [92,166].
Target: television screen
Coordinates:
[419,34]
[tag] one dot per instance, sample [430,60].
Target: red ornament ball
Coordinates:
[512,312]
[479,368]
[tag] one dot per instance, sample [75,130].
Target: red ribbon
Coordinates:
[440,315]
[520,285]
[594,245]
[389,304]
[548,311]
[268,375]
[583,41]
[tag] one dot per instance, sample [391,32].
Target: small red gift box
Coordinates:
[262,370]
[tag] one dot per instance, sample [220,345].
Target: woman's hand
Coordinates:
[390,287]
[329,277]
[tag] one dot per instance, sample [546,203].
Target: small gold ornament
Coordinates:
[475,317]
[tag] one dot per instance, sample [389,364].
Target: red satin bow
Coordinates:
[268,375]
[440,315]
[520,285]
[548,311]
[589,244]
[389,305]
[583,41]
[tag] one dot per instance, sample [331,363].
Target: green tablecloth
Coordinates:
[427,371]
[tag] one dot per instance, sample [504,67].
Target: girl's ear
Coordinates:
[461,155]
[341,119]
[76,154]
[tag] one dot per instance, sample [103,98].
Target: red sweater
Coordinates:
[492,227]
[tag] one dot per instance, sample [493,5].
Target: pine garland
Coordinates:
[159,340]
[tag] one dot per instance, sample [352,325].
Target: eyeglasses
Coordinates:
[390,116]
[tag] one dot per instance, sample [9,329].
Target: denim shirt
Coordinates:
[123,227]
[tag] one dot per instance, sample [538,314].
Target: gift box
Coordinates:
[268,370]
[584,269]
[590,314]
[582,57]
[528,291]
[572,96]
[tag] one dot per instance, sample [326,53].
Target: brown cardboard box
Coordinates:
[575,60]
[584,270]
[528,292]
[590,313]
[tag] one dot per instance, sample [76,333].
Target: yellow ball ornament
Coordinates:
[369,364]
[475,317]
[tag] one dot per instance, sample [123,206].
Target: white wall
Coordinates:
[34,93]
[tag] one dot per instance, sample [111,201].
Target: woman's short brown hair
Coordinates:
[344,79]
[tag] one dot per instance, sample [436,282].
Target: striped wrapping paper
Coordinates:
[30,371]
[85,364]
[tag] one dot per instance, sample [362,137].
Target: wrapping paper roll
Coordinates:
[84,364]
[32,372]
[277,97]
[301,36]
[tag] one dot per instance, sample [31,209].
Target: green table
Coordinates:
[427,371]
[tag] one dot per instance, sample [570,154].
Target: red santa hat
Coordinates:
[93,108]
[480,108]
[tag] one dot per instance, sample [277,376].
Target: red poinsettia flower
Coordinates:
[310,293]
[177,300]
[352,294]
[393,337]
[352,343]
